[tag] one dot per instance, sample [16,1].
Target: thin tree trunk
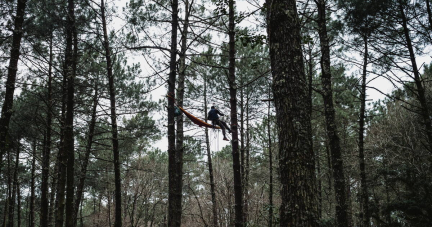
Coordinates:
[364,201]
[209,160]
[418,81]
[32,187]
[238,192]
[296,157]
[52,203]
[15,187]
[334,141]
[70,70]
[8,202]
[317,156]
[242,140]
[174,207]
[11,190]
[18,191]
[270,165]
[62,161]
[47,146]
[179,149]
[114,130]
[6,111]
[246,167]
[85,161]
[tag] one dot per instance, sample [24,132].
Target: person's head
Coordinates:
[213,107]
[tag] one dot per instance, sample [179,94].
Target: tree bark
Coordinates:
[296,157]
[114,130]
[6,111]
[238,191]
[332,134]
[174,207]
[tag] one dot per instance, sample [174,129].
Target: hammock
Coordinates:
[196,120]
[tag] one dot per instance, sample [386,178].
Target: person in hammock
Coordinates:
[213,116]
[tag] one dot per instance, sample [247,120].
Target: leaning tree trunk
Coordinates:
[85,161]
[296,157]
[334,141]
[6,111]
[425,112]
[238,192]
[114,131]
[174,207]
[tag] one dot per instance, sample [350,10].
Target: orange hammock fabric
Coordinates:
[196,120]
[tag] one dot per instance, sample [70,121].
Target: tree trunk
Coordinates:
[18,192]
[70,71]
[364,195]
[174,207]
[52,203]
[296,157]
[8,202]
[238,192]
[118,217]
[179,149]
[247,159]
[85,161]
[418,81]
[47,146]
[32,187]
[15,187]
[334,141]
[209,160]
[6,111]
[62,161]
[13,184]
[270,165]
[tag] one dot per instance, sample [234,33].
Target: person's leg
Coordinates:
[226,126]
[221,125]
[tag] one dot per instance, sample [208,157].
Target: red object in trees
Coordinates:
[196,120]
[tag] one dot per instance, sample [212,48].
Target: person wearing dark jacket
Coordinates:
[213,116]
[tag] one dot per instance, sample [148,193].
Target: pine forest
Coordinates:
[215,113]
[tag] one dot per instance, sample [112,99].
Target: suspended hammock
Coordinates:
[196,120]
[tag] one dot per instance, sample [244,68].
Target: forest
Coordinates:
[104,105]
